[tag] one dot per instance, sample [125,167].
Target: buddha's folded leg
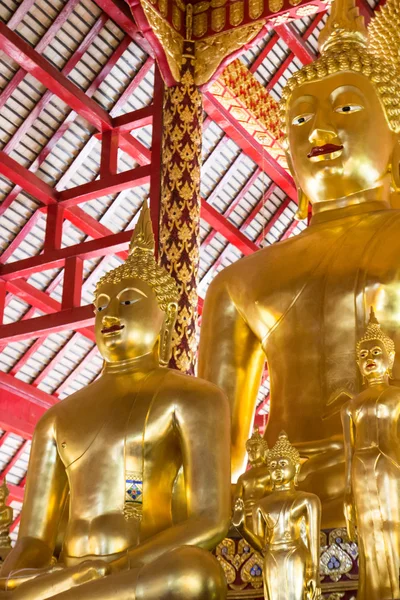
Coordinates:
[186,573]
[55,582]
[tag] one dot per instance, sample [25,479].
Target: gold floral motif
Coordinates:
[171,41]
[163,7]
[275,5]
[218,17]
[176,18]
[180,207]
[295,2]
[236,13]
[256,8]
[200,24]
[211,51]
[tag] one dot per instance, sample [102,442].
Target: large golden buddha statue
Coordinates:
[114,450]
[301,304]
[372,449]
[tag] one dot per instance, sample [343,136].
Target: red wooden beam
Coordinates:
[16,494]
[227,229]
[109,244]
[296,43]
[134,119]
[249,145]
[32,62]
[105,186]
[72,284]
[72,318]
[156,149]
[54,227]
[31,183]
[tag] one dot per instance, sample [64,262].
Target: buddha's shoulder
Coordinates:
[180,388]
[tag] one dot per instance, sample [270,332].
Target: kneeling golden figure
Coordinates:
[372,500]
[280,522]
[117,447]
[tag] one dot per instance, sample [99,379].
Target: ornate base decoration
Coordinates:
[338,566]
[180,207]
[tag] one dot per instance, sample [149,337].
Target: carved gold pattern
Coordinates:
[218,17]
[171,41]
[256,8]
[200,24]
[294,2]
[236,13]
[180,207]
[275,5]
[211,51]
[163,7]
[176,18]
[243,566]
[201,7]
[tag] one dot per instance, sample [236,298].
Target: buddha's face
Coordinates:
[255,452]
[128,320]
[373,360]
[339,140]
[282,470]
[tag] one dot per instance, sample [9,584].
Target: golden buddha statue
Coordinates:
[372,447]
[280,521]
[6,518]
[254,483]
[117,447]
[301,303]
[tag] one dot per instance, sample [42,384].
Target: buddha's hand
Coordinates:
[350,515]
[238,515]
[313,592]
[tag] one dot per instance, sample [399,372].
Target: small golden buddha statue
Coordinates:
[6,518]
[254,483]
[280,521]
[117,446]
[300,303]
[372,446]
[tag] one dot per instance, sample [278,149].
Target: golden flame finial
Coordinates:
[344,24]
[143,236]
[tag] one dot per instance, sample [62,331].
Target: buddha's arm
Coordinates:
[201,420]
[230,355]
[45,494]
[313,520]
[348,433]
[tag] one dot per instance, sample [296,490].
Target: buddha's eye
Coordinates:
[128,302]
[348,108]
[301,119]
[100,308]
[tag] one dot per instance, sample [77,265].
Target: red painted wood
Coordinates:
[296,43]
[72,318]
[249,145]
[109,153]
[226,228]
[264,53]
[54,227]
[31,183]
[72,286]
[103,246]
[49,76]
[105,186]
[2,300]
[132,86]
[134,119]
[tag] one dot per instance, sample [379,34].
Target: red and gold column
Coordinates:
[180,204]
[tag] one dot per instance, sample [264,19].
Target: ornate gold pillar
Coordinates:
[180,204]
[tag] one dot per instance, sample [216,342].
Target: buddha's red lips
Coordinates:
[112,329]
[326,149]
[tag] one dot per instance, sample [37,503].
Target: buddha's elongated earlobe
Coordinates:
[166,334]
[303,202]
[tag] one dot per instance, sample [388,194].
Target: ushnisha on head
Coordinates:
[136,303]
[283,462]
[345,101]
[257,447]
[375,353]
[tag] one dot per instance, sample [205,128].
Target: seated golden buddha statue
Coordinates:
[254,483]
[117,447]
[301,303]
[280,521]
[372,445]
[6,517]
